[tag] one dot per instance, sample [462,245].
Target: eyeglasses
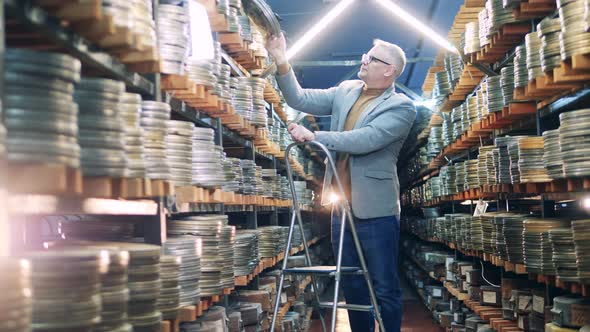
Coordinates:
[369,58]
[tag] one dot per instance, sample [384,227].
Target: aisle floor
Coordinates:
[416,317]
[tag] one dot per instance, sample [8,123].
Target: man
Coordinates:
[369,125]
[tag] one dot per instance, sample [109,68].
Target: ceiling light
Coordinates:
[414,22]
[318,27]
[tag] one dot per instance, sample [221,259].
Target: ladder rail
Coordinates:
[295,216]
[345,215]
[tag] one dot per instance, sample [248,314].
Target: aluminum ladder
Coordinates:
[328,271]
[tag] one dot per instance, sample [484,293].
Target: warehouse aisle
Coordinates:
[416,317]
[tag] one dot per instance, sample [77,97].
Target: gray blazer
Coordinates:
[373,144]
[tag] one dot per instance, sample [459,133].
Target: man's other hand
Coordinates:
[300,133]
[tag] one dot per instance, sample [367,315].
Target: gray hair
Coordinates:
[396,53]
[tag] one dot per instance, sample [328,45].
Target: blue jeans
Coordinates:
[379,238]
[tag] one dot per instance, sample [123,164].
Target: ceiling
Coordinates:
[352,34]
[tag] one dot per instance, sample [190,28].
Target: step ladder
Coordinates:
[326,271]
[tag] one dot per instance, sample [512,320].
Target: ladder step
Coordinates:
[328,270]
[354,307]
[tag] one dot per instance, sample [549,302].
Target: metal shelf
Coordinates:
[239,208]
[267,208]
[52,205]
[284,210]
[427,173]
[507,266]
[260,154]
[196,208]
[250,208]
[575,101]
[275,116]
[199,118]
[236,138]
[37,18]
[509,58]
[236,67]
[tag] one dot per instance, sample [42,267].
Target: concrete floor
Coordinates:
[416,317]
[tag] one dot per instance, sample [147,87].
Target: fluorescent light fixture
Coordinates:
[414,22]
[586,203]
[318,27]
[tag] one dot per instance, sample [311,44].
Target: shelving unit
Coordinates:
[516,268]
[51,205]
[534,109]
[37,18]
[190,313]
[48,33]
[83,30]
[493,315]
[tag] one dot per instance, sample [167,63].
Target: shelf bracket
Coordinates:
[234,66]
[482,68]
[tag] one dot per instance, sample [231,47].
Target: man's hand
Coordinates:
[300,133]
[277,47]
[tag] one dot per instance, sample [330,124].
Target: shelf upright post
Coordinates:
[498,196]
[252,216]
[450,162]
[547,206]
[274,215]
[219,142]
[471,200]
[539,133]
[154,231]
[225,302]
[155,77]
[538,123]
[218,133]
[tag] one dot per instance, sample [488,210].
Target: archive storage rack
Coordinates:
[506,135]
[41,195]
